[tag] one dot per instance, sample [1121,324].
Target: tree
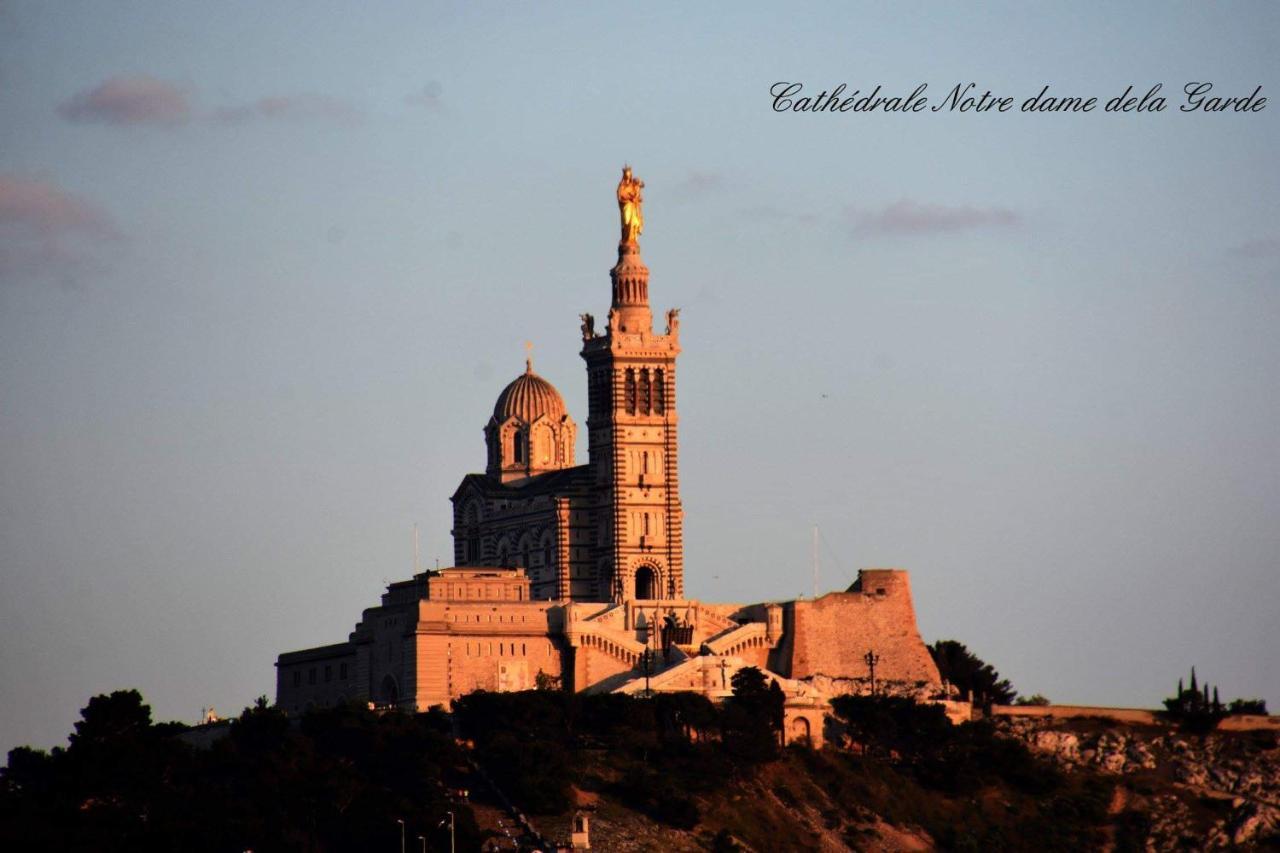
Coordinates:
[1247,706]
[751,722]
[121,715]
[1193,708]
[977,680]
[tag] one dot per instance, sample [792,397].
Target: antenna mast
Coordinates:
[815,561]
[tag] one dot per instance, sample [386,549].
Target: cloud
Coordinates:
[701,183]
[428,97]
[1264,247]
[43,229]
[913,218]
[42,209]
[129,100]
[301,107]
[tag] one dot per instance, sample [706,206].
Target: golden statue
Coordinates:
[629,202]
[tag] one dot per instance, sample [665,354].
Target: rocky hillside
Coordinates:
[903,778]
[675,772]
[1201,792]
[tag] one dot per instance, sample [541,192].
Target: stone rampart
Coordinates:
[1137,716]
[831,635]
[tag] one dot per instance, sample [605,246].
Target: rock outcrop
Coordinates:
[1206,792]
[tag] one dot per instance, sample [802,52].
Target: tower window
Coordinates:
[643,405]
[659,391]
[517,447]
[631,391]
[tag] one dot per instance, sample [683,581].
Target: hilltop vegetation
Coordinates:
[675,772]
[333,780]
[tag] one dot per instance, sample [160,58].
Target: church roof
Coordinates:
[562,482]
[528,398]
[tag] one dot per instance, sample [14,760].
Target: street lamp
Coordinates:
[424,843]
[441,823]
[401,822]
[872,659]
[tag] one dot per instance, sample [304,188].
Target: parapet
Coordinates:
[882,582]
[475,583]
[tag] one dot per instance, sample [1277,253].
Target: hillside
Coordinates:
[671,773]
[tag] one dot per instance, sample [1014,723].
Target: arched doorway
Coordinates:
[800,730]
[390,691]
[646,583]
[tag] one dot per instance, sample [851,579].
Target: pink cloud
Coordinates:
[909,217]
[129,100]
[302,107]
[43,229]
[41,208]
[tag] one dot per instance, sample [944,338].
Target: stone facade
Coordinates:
[574,574]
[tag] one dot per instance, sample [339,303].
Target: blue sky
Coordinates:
[264,268]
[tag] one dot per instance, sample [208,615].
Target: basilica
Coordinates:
[573,575]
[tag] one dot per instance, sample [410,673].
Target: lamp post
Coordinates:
[451,850]
[646,657]
[401,822]
[423,839]
[872,659]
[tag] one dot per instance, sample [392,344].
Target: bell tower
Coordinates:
[631,425]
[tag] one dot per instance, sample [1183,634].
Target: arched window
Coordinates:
[630,386]
[659,391]
[541,454]
[645,585]
[643,405]
[517,446]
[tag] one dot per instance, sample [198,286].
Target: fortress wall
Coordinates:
[317,677]
[1249,722]
[497,646]
[830,635]
[1140,716]
[1122,715]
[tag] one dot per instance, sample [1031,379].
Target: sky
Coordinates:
[264,269]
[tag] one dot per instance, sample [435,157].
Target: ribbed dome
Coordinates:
[528,398]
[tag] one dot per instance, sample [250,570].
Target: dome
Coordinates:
[528,398]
